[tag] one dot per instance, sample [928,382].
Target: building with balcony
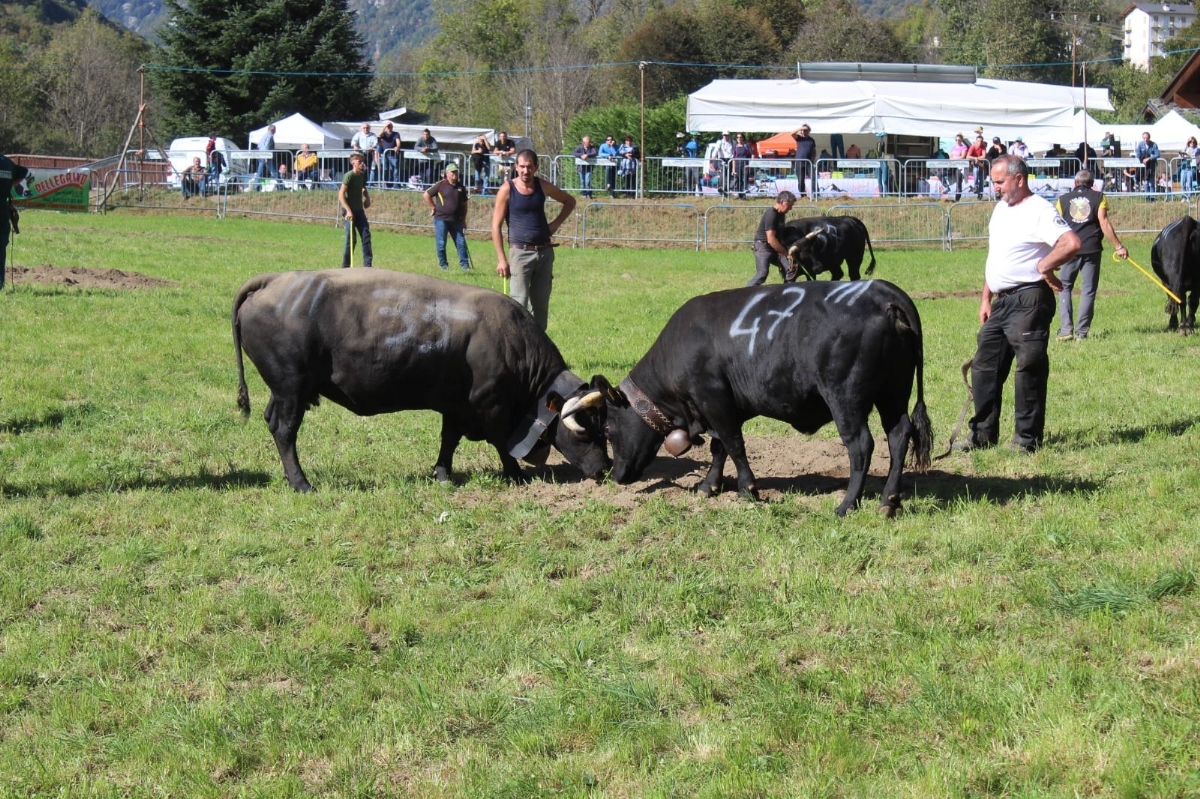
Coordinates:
[1149,26]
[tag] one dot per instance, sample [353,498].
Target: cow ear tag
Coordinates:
[678,442]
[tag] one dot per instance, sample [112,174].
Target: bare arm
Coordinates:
[985,303]
[1110,233]
[568,204]
[499,212]
[342,199]
[1064,250]
[425,195]
[776,244]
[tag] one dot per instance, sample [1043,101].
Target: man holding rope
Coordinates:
[354,200]
[10,173]
[1086,211]
[1027,241]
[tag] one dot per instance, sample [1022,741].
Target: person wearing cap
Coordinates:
[1019,148]
[447,201]
[997,149]
[387,156]
[806,151]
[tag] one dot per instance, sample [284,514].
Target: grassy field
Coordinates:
[175,621]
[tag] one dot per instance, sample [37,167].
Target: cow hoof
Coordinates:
[708,490]
[750,494]
[302,488]
[888,511]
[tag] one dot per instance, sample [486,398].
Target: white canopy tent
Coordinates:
[1170,133]
[296,130]
[1040,113]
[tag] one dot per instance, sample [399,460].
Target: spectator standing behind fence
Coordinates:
[977,155]
[447,201]
[306,164]
[354,200]
[724,152]
[768,244]
[609,150]
[693,173]
[1147,153]
[193,179]
[216,165]
[627,166]
[10,175]
[521,203]
[387,148]
[806,148]
[997,149]
[266,163]
[479,163]
[429,146]
[1019,148]
[585,151]
[958,152]
[1085,154]
[1187,168]
[1086,210]
[739,171]
[364,142]
[1027,241]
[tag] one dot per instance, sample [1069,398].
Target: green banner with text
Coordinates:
[60,189]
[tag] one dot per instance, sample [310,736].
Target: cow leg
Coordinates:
[711,485]
[284,415]
[859,445]
[733,443]
[512,469]
[451,435]
[835,273]
[1189,318]
[899,431]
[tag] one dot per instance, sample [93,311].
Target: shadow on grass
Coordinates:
[1076,439]
[239,478]
[19,426]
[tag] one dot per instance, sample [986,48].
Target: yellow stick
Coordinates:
[1153,279]
[506,286]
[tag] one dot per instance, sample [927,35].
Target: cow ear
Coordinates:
[554,401]
[611,395]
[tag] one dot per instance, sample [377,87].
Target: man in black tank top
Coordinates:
[1086,211]
[521,202]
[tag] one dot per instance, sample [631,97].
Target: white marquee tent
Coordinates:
[458,138]
[293,131]
[1040,113]
[1170,133]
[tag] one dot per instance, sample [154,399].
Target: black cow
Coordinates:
[375,341]
[820,243]
[1175,258]
[805,354]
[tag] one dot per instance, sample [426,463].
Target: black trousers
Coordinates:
[1018,329]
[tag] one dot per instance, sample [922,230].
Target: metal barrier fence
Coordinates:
[672,223]
[857,177]
[906,223]
[729,226]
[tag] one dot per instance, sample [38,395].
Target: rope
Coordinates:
[966,370]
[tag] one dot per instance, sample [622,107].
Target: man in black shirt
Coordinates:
[447,201]
[768,242]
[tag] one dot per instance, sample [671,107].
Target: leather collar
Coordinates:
[533,426]
[645,408]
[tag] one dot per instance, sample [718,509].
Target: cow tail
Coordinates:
[251,286]
[908,324]
[867,233]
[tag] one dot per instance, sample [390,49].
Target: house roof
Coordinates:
[1159,8]
[1184,88]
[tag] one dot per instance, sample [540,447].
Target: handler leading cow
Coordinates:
[804,354]
[375,341]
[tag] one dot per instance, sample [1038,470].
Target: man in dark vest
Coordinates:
[10,173]
[521,203]
[1086,211]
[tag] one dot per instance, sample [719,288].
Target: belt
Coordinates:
[1015,289]
[531,247]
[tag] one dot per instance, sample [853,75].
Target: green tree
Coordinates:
[841,33]
[222,64]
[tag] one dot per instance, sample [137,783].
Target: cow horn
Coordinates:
[594,399]
[573,426]
[814,234]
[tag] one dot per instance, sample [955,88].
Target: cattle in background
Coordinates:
[1175,258]
[805,354]
[821,243]
[375,341]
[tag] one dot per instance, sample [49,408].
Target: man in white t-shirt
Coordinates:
[1027,241]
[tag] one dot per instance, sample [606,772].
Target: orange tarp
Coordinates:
[781,143]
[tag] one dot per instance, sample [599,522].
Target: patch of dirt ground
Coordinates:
[793,464]
[83,277]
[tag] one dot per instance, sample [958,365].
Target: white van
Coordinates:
[182,151]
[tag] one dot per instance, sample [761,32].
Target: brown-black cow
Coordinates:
[1175,258]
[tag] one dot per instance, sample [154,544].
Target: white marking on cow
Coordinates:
[737,329]
[848,292]
[299,282]
[305,284]
[742,326]
[427,328]
[787,312]
[312,306]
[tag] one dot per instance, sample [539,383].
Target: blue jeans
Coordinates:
[1187,179]
[266,165]
[585,180]
[358,224]
[440,228]
[190,186]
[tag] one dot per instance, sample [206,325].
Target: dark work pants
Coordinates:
[1087,269]
[1019,328]
[764,258]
